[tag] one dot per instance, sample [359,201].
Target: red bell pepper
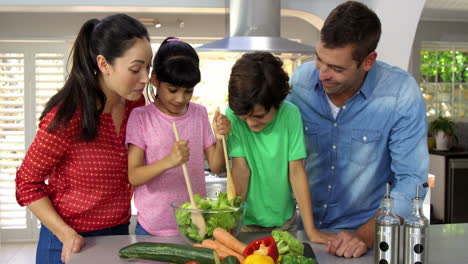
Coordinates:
[262,246]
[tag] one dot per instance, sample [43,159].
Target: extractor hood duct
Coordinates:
[254,25]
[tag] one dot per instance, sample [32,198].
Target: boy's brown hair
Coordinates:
[257,79]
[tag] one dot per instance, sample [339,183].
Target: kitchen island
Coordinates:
[448,244]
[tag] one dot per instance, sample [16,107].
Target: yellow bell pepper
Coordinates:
[258,259]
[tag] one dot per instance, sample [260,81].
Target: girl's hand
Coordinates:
[221,125]
[180,153]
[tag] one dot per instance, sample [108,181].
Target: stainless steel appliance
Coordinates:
[456,204]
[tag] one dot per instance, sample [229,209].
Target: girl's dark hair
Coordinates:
[111,38]
[352,23]
[257,78]
[177,63]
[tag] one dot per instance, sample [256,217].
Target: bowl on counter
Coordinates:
[228,218]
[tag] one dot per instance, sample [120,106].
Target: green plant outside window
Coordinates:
[444,80]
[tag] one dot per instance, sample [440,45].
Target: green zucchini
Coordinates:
[230,260]
[173,253]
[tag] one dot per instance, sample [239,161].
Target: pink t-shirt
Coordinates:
[151,130]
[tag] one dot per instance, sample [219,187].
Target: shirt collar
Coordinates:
[369,83]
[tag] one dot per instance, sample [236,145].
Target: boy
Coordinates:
[266,144]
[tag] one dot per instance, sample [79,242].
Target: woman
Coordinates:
[79,147]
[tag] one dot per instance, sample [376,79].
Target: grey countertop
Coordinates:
[448,244]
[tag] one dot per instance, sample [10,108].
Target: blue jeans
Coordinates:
[139,230]
[49,247]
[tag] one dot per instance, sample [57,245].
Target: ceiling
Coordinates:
[445,10]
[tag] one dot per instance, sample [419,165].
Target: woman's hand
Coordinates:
[180,153]
[221,125]
[72,243]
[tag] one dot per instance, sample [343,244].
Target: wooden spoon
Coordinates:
[231,188]
[197,218]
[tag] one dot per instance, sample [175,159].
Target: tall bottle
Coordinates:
[416,234]
[387,232]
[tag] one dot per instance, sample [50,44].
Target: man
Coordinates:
[365,125]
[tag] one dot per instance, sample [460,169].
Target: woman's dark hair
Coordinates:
[111,38]
[177,63]
[257,78]
[352,23]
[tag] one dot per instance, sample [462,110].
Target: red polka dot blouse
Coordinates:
[87,182]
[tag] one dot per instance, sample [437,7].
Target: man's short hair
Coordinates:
[352,23]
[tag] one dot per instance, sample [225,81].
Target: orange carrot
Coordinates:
[218,246]
[229,240]
[221,254]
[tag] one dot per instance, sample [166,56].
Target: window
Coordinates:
[212,91]
[30,73]
[444,79]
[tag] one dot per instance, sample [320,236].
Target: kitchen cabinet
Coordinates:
[449,195]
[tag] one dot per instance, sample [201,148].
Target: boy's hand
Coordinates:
[317,236]
[180,153]
[221,125]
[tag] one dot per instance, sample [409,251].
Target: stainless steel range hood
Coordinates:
[254,25]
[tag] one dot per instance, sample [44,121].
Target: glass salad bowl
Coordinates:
[216,213]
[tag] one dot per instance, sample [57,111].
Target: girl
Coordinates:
[154,158]
[79,147]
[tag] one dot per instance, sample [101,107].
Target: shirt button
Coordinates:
[334,147]
[332,167]
[364,138]
[329,187]
[344,107]
[121,154]
[325,206]
[320,223]
[306,128]
[335,124]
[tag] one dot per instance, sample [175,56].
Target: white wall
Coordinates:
[399,20]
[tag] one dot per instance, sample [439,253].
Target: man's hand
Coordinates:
[348,245]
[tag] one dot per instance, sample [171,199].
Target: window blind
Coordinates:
[29,75]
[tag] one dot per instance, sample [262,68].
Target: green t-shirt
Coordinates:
[268,152]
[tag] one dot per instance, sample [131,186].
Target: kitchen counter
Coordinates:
[448,245]
[448,153]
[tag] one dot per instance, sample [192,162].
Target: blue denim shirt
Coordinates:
[379,135]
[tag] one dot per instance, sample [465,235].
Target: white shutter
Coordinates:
[49,78]
[12,139]
[30,73]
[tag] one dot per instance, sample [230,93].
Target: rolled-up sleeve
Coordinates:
[408,147]
[45,152]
